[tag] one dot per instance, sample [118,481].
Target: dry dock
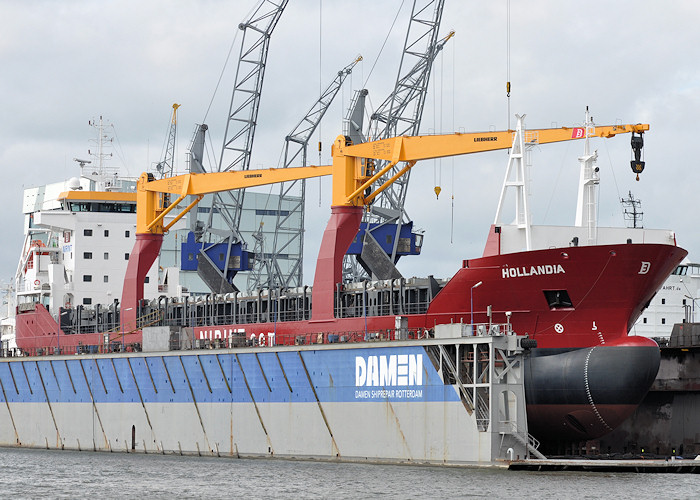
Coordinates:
[639,466]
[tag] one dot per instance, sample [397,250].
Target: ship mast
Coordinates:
[632,211]
[589,179]
[517,177]
[100,155]
[103,176]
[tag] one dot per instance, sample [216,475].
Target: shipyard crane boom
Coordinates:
[237,146]
[399,114]
[165,167]
[353,175]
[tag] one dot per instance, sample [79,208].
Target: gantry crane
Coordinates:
[354,175]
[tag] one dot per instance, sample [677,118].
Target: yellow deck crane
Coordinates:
[354,187]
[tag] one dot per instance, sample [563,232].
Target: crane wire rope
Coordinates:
[164,147]
[271,187]
[211,155]
[437,163]
[617,188]
[442,107]
[320,90]
[391,28]
[221,76]
[452,160]
[434,131]
[119,150]
[368,115]
[562,163]
[223,69]
[508,61]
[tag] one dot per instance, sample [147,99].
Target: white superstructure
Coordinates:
[7,320]
[78,236]
[677,301]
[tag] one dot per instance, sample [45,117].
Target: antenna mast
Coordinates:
[632,211]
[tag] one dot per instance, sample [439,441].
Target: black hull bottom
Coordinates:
[583,394]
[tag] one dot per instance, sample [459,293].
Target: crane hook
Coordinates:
[637,164]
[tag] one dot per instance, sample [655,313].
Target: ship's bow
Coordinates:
[582,394]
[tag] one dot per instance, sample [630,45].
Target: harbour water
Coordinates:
[42,474]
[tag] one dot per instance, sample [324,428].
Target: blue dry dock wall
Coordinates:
[263,376]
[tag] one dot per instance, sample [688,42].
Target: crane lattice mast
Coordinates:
[165,167]
[238,143]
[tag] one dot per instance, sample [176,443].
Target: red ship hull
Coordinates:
[607,289]
[608,286]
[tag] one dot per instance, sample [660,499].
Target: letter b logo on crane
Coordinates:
[578,133]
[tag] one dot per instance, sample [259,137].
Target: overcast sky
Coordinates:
[66,62]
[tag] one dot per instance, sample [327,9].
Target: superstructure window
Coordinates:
[558,299]
[644,320]
[87,301]
[102,207]
[281,213]
[87,255]
[663,301]
[106,279]
[126,256]
[681,270]
[206,210]
[127,234]
[87,232]
[663,321]
[106,232]
[106,255]
[87,277]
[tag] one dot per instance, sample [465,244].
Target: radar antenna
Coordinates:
[82,163]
